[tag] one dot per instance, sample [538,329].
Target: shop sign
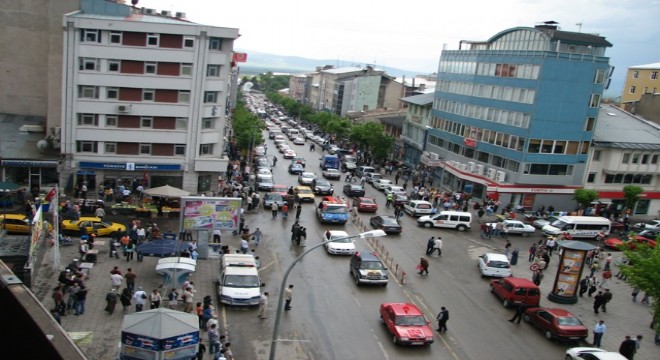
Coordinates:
[129,166]
[28,163]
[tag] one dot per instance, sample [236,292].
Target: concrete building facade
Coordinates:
[413,133]
[640,80]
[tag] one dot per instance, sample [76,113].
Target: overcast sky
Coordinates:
[410,34]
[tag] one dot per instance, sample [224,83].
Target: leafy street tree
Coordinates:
[585,197]
[371,136]
[247,128]
[643,272]
[632,194]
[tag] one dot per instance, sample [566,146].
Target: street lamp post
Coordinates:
[278,313]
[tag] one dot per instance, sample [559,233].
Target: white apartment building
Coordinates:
[145,97]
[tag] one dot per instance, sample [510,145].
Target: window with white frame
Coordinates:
[88,120]
[90,35]
[186,69]
[87,146]
[632,89]
[215,43]
[206,149]
[594,102]
[110,121]
[590,124]
[150,67]
[213,70]
[88,64]
[148,94]
[626,158]
[600,76]
[188,42]
[181,123]
[114,65]
[591,178]
[153,39]
[112,93]
[184,97]
[596,155]
[115,37]
[635,74]
[88,92]
[210,97]
[654,75]
[145,149]
[635,159]
[179,149]
[110,148]
[208,123]
[146,122]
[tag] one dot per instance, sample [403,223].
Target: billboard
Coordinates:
[210,213]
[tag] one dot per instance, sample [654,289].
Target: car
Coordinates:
[299,141]
[514,227]
[514,291]
[306,178]
[331,174]
[400,199]
[265,183]
[280,189]
[418,208]
[263,163]
[557,323]
[264,171]
[341,244]
[494,265]
[649,234]
[363,170]
[394,189]
[381,184]
[354,190]
[282,147]
[15,223]
[447,219]
[299,160]
[296,169]
[289,154]
[273,198]
[592,353]
[649,225]
[387,223]
[406,323]
[371,176]
[367,268]
[92,225]
[367,204]
[321,186]
[617,244]
[540,223]
[303,193]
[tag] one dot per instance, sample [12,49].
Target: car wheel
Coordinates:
[357,281]
[394,339]
[525,234]
[461,228]
[381,319]
[568,357]
[428,224]
[506,303]
[548,335]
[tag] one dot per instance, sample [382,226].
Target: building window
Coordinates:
[150,67]
[635,74]
[594,102]
[654,159]
[181,123]
[208,123]
[110,148]
[596,155]
[112,93]
[591,123]
[210,97]
[179,149]
[213,70]
[645,158]
[113,65]
[115,37]
[88,120]
[626,158]
[186,69]
[146,122]
[153,39]
[110,121]
[148,94]
[215,43]
[632,89]
[635,159]
[206,149]
[188,42]
[534,146]
[89,64]
[654,75]
[90,35]
[184,97]
[145,149]
[591,178]
[87,146]
[600,76]
[88,92]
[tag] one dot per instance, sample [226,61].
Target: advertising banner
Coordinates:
[208,213]
[569,273]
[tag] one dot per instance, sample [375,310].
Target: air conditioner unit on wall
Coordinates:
[426,154]
[479,170]
[166,13]
[124,108]
[150,11]
[180,15]
[463,167]
[435,156]
[501,176]
[491,174]
[471,166]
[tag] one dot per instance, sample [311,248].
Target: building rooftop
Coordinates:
[136,17]
[647,66]
[620,129]
[423,99]
[19,135]
[342,70]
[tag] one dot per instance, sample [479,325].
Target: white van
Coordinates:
[239,283]
[418,208]
[579,226]
[448,220]
[293,133]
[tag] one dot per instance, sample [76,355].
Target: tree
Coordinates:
[585,197]
[643,271]
[632,193]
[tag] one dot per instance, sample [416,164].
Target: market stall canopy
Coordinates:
[163,247]
[8,185]
[166,191]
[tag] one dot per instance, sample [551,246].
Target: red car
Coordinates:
[615,243]
[557,323]
[406,323]
[367,204]
[280,189]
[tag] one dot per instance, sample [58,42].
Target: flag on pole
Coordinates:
[50,195]
[240,57]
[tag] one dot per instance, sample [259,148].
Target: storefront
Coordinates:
[94,174]
[648,204]
[411,154]
[36,176]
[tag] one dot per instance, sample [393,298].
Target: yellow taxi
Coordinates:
[303,193]
[15,223]
[92,225]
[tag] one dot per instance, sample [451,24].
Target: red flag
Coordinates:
[240,57]
[50,195]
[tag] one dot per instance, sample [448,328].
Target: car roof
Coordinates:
[366,198]
[308,173]
[355,186]
[557,312]
[404,309]
[497,257]
[420,202]
[338,233]
[520,282]
[13,216]
[367,256]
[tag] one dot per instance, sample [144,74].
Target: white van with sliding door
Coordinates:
[590,227]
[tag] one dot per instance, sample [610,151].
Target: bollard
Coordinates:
[396,269]
[403,276]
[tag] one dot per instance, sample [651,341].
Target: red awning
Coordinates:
[493,195]
[619,195]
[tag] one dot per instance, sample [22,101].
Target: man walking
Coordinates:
[130,277]
[298,210]
[520,310]
[599,300]
[607,297]
[288,296]
[256,235]
[429,245]
[442,318]
[140,299]
[628,348]
[584,285]
[423,266]
[599,331]
[437,246]
[263,304]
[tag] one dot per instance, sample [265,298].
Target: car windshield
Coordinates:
[343,240]
[304,191]
[367,201]
[372,265]
[242,281]
[272,197]
[322,182]
[498,264]
[390,222]
[336,209]
[569,321]
[558,224]
[410,320]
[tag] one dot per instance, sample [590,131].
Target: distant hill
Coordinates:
[259,62]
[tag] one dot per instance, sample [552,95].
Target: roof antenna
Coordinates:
[579,25]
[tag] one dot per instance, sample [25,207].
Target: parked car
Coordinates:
[381,184]
[540,223]
[321,186]
[617,244]
[557,324]
[299,141]
[515,227]
[592,353]
[92,225]
[280,189]
[273,198]
[367,204]
[494,265]
[406,323]
[649,225]
[289,154]
[340,244]
[400,199]
[387,223]
[296,169]
[395,189]
[306,178]
[353,190]
[15,223]
[299,160]
[372,176]
[265,183]
[361,170]
[331,174]
[513,291]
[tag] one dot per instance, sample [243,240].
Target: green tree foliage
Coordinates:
[643,272]
[585,197]
[371,136]
[632,193]
[247,128]
[268,82]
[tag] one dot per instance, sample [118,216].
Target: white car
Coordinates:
[418,208]
[371,177]
[592,353]
[299,141]
[264,171]
[289,154]
[306,178]
[332,174]
[540,223]
[395,189]
[342,246]
[515,227]
[649,225]
[494,265]
[381,184]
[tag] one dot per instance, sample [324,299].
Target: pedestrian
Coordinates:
[537,277]
[116,280]
[263,304]
[125,299]
[429,245]
[79,303]
[484,230]
[140,299]
[507,248]
[244,246]
[208,313]
[188,299]
[607,275]
[437,245]
[214,340]
[273,210]
[607,297]
[593,285]
[599,300]
[99,212]
[442,318]
[155,298]
[226,351]
[608,262]
[584,285]
[298,210]
[532,252]
[288,296]
[599,330]
[217,236]
[628,348]
[423,266]
[130,277]
[638,341]
[285,211]
[201,350]
[520,311]
[111,301]
[173,299]
[256,236]
[635,292]
[595,265]
[129,249]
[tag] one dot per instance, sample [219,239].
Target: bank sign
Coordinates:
[129,166]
